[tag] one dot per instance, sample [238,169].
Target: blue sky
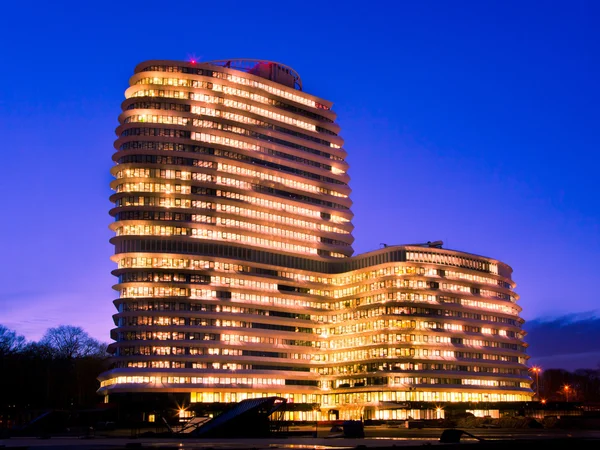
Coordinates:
[471,122]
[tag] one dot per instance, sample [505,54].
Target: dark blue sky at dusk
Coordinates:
[471,122]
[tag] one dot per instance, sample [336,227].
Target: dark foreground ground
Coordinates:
[375,437]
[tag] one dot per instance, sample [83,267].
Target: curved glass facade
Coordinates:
[235,275]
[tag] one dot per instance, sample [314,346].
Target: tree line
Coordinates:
[559,385]
[57,372]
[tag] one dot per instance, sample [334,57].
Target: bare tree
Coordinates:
[10,341]
[67,341]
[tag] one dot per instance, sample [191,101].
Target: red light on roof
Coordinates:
[193,61]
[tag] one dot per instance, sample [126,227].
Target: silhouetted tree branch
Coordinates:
[68,342]
[10,341]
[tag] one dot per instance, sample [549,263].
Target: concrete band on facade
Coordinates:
[233,244]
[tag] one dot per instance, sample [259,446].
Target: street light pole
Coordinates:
[537,371]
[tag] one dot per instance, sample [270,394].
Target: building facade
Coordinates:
[235,275]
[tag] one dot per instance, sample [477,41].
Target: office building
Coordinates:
[235,269]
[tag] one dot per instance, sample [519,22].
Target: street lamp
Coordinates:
[439,410]
[566,388]
[537,370]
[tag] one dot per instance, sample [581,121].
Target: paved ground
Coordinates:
[376,437]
